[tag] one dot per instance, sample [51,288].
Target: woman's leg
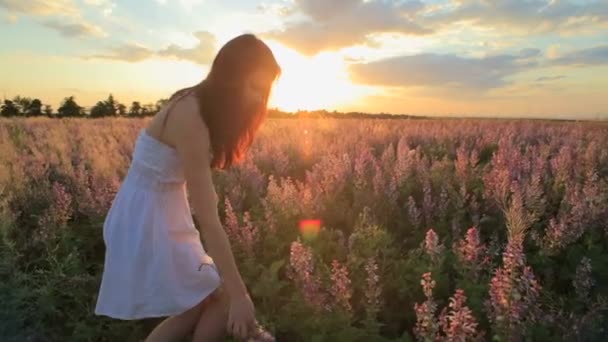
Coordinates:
[176,328]
[211,326]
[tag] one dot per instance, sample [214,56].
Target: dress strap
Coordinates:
[172,103]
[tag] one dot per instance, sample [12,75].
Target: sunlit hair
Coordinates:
[231,121]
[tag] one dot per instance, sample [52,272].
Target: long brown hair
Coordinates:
[232,124]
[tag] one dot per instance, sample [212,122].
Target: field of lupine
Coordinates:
[430,230]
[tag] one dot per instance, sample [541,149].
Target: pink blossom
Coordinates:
[301,272]
[461,165]
[459,324]
[363,168]
[57,214]
[563,164]
[428,205]
[373,291]
[341,286]
[231,224]
[249,235]
[427,325]
[443,205]
[432,246]
[413,212]
[236,195]
[514,292]
[471,252]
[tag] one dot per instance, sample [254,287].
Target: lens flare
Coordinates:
[310,228]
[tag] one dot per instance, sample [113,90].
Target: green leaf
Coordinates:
[275,267]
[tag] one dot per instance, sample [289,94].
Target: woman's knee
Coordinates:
[190,316]
[200,307]
[219,297]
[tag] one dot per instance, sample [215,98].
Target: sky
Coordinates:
[513,58]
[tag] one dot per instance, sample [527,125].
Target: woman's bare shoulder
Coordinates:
[188,123]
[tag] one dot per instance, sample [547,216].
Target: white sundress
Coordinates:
[155,264]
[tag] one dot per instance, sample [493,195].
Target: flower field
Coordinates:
[343,229]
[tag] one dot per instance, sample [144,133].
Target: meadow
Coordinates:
[428,230]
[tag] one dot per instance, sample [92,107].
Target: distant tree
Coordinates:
[9,109]
[100,110]
[135,109]
[22,104]
[48,110]
[69,108]
[112,105]
[35,108]
[160,103]
[108,107]
[148,110]
[122,109]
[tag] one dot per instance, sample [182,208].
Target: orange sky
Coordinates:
[436,57]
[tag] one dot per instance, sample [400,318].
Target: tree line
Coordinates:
[110,107]
[30,107]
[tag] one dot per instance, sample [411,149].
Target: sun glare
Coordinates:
[311,83]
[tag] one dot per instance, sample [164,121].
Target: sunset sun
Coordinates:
[312,83]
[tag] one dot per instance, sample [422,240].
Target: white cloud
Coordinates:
[525,16]
[277,9]
[202,53]
[107,6]
[445,71]
[127,52]
[190,4]
[333,25]
[66,17]
[185,4]
[75,28]
[11,18]
[40,7]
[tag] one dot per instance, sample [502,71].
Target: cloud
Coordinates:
[40,7]
[202,53]
[10,18]
[550,78]
[445,70]
[97,2]
[527,16]
[75,29]
[186,4]
[332,25]
[71,24]
[189,4]
[590,56]
[280,10]
[107,6]
[127,52]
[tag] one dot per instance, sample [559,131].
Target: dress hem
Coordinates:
[155,315]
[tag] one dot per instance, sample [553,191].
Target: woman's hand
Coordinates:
[241,317]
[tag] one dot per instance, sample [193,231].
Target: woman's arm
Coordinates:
[192,142]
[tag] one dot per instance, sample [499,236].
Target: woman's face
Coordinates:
[256,87]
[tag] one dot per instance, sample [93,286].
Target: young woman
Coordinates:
[155,264]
